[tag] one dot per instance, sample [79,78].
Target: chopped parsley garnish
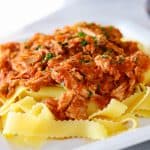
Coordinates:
[95,40]
[105,32]
[81,34]
[89,93]
[110,28]
[102,28]
[38,47]
[84,61]
[48,56]
[84,43]
[121,59]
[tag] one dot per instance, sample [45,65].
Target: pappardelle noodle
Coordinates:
[81,81]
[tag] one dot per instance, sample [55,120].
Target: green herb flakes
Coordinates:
[48,56]
[95,40]
[81,34]
[84,42]
[105,32]
[110,28]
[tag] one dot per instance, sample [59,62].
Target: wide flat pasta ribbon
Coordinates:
[33,141]
[112,127]
[37,123]
[134,101]
[113,110]
[129,120]
[142,113]
[92,108]
[46,92]
[144,109]
[32,125]
[139,103]
[17,94]
[121,124]
[24,105]
[147,77]
[146,100]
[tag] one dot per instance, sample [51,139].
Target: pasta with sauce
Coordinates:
[82,81]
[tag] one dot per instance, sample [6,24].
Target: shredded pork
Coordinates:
[90,60]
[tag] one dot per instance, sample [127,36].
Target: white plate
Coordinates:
[133,25]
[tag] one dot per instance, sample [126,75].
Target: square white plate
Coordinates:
[133,24]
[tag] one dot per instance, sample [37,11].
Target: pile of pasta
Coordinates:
[25,118]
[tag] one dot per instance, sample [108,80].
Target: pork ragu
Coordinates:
[88,59]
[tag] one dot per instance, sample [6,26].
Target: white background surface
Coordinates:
[129,16]
[15,14]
